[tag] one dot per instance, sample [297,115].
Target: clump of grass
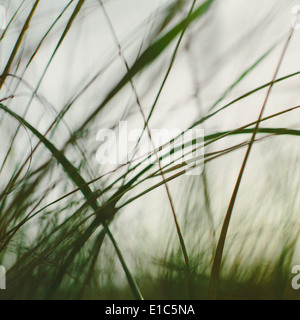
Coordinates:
[60,212]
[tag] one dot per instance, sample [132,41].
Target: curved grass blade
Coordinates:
[148,56]
[79,181]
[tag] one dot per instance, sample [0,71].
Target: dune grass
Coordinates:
[64,231]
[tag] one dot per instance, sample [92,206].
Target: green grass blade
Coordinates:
[79,181]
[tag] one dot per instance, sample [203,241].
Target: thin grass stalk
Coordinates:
[146,126]
[18,44]
[216,267]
